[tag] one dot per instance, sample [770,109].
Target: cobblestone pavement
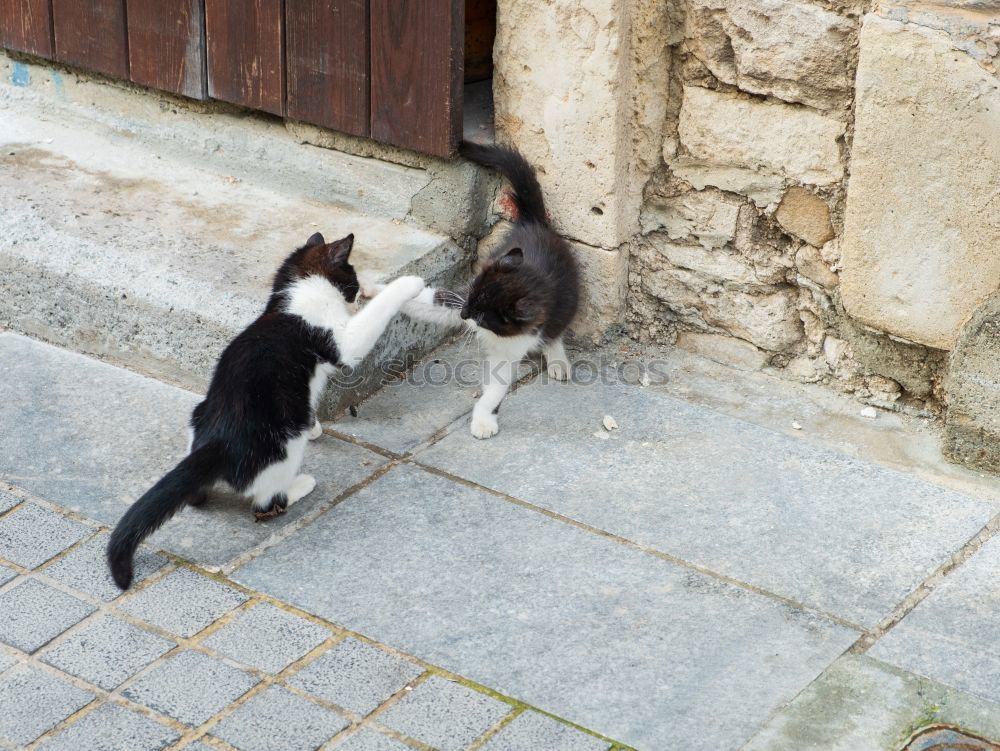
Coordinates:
[690,580]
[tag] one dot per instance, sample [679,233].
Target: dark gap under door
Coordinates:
[328,59]
[166,45]
[26,25]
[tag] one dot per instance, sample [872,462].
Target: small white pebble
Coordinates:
[645,379]
[601,434]
[796,426]
[610,423]
[870,412]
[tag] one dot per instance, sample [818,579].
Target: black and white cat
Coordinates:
[524,296]
[251,430]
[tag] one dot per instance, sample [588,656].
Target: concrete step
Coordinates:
[128,246]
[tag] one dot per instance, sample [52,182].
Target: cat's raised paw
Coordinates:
[370,289]
[485,426]
[409,286]
[316,431]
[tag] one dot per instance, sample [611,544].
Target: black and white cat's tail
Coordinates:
[509,163]
[196,471]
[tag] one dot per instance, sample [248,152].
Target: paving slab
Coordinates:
[111,727]
[86,570]
[610,638]
[6,574]
[444,714]
[7,501]
[32,534]
[267,638]
[183,602]
[435,392]
[532,730]
[59,440]
[32,614]
[190,687]
[367,739]
[848,537]
[278,719]
[6,660]
[861,704]
[952,635]
[107,651]
[33,702]
[356,676]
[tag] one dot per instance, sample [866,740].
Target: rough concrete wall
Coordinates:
[742,228]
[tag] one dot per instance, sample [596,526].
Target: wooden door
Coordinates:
[417,69]
[327,61]
[388,69]
[26,26]
[166,47]
[246,52]
[91,34]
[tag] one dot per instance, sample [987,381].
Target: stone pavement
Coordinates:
[703,577]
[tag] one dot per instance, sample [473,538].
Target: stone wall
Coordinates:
[836,222]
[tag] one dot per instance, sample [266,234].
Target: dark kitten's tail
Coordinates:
[513,166]
[200,468]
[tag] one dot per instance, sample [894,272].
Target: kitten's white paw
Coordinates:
[409,286]
[301,486]
[558,369]
[316,432]
[370,289]
[485,426]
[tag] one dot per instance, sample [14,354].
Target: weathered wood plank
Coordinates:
[166,46]
[246,53]
[26,25]
[327,62]
[416,75]
[91,34]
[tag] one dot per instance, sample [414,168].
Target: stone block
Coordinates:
[267,638]
[794,51]
[921,233]
[571,75]
[724,129]
[190,687]
[356,675]
[33,702]
[444,714]
[278,719]
[972,423]
[805,215]
[32,534]
[86,568]
[535,731]
[111,727]
[32,614]
[183,602]
[106,652]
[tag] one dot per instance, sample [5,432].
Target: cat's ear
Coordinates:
[512,260]
[525,310]
[340,250]
[316,239]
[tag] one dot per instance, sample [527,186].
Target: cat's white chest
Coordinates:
[317,384]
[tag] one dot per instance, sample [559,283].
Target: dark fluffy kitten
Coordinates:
[524,296]
[251,430]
